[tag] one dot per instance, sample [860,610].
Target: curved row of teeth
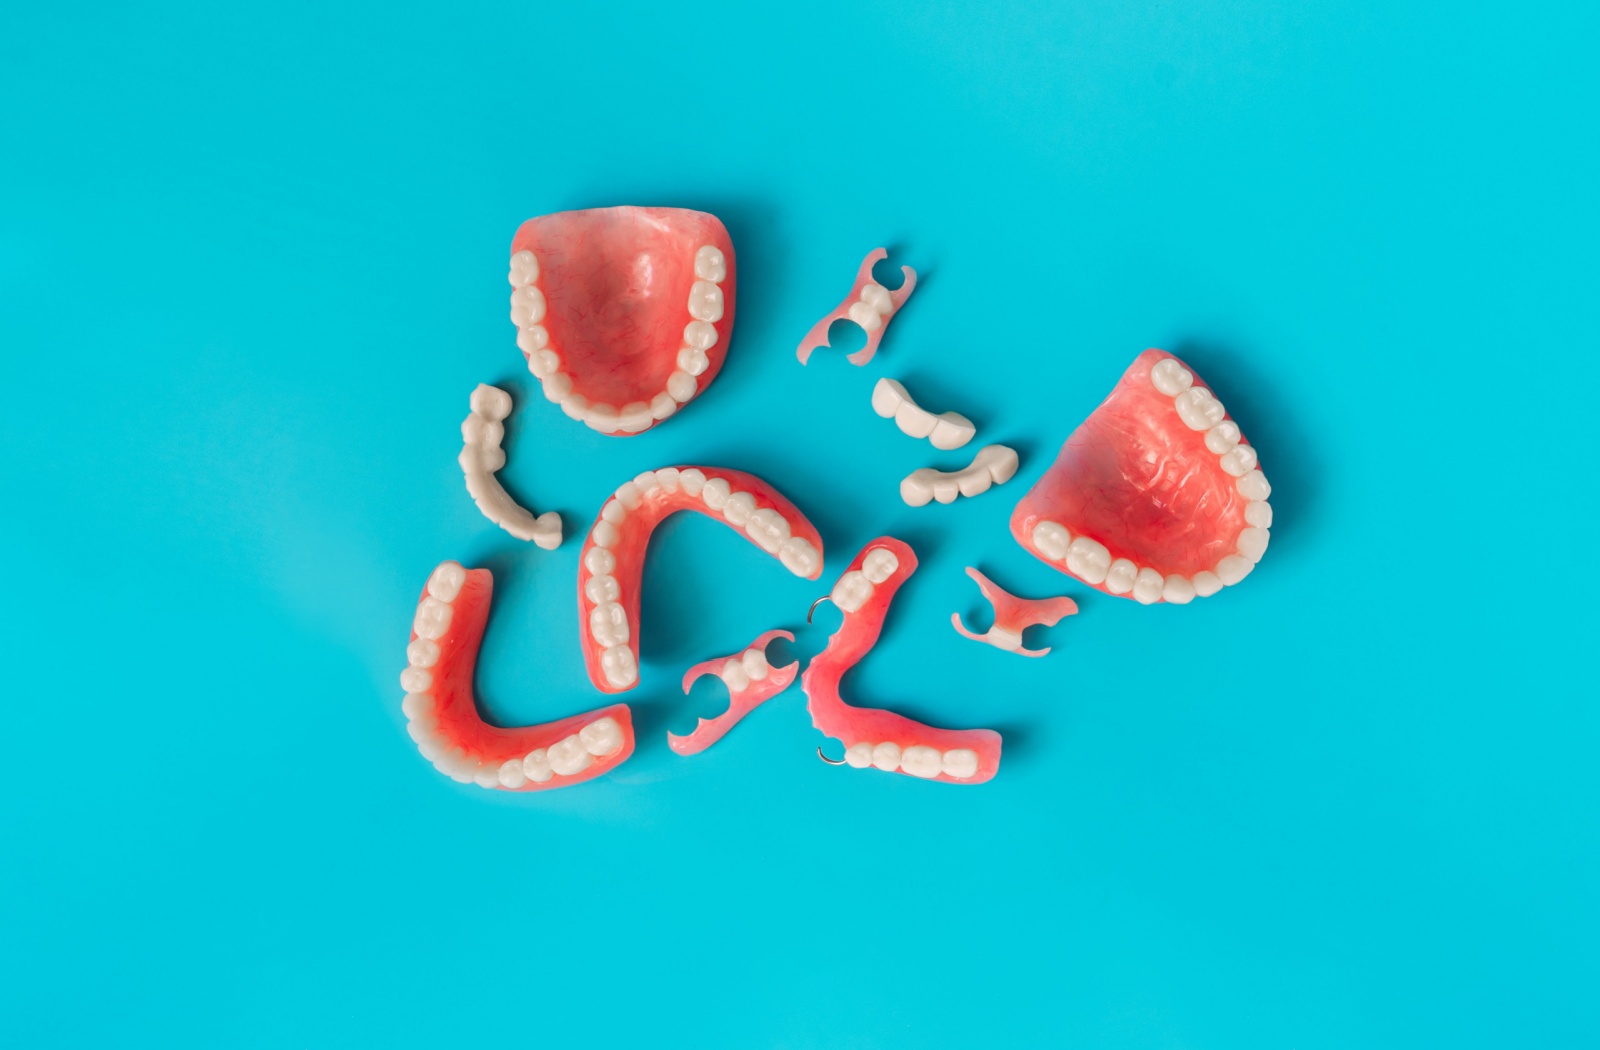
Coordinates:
[544,360]
[608,621]
[871,307]
[944,431]
[737,672]
[993,465]
[917,760]
[481,455]
[855,587]
[567,757]
[1089,560]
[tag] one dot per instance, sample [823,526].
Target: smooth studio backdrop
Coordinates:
[252,262]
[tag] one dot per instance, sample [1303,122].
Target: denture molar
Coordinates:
[993,465]
[1156,496]
[869,305]
[947,430]
[606,303]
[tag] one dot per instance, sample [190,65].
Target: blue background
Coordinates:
[253,260]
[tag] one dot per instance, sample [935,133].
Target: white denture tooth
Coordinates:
[415,705]
[1233,568]
[1088,560]
[601,737]
[536,766]
[614,512]
[738,509]
[960,763]
[668,479]
[662,406]
[602,589]
[524,268]
[446,581]
[603,417]
[947,487]
[692,481]
[430,747]
[422,652]
[865,316]
[647,482]
[604,534]
[681,386]
[768,529]
[1147,586]
[1239,461]
[1121,575]
[527,306]
[475,430]
[487,776]
[879,564]
[714,493]
[734,675]
[887,397]
[922,761]
[599,561]
[556,387]
[1258,513]
[619,666]
[416,680]
[544,363]
[1000,461]
[693,361]
[1003,639]
[628,495]
[755,664]
[433,619]
[575,405]
[532,338]
[1178,590]
[608,623]
[490,402]
[709,264]
[1252,543]
[635,418]
[798,556]
[511,774]
[858,756]
[1170,377]
[705,301]
[913,420]
[852,591]
[877,297]
[569,757]
[916,489]
[1222,437]
[1051,539]
[700,335]
[1254,486]
[1206,583]
[951,430]
[1198,409]
[886,756]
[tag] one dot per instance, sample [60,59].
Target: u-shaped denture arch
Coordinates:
[869,304]
[873,737]
[612,562]
[1013,615]
[751,682]
[442,712]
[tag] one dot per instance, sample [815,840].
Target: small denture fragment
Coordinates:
[751,681]
[945,431]
[1013,615]
[869,305]
[993,465]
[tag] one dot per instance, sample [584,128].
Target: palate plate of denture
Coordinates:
[624,315]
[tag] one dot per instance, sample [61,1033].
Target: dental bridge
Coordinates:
[625,315]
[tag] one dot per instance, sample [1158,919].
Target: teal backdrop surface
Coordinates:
[253,261]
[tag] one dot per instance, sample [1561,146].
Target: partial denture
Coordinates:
[1156,496]
[1013,615]
[442,713]
[751,681]
[481,455]
[869,304]
[947,430]
[877,738]
[993,465]
[613,553]
[623,314]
